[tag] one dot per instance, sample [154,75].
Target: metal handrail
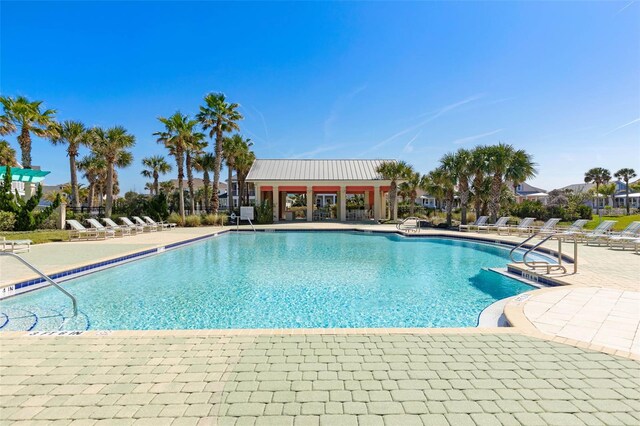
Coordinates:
[513,250]
[548,265]
[46,277]
[416,227]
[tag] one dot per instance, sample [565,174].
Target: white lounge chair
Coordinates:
[165,225]
[524,227]
[501,222]
[574,231]
[148,226]
[124,229]
[15,246]
[135,228]
[626,237]
[549,227]
[482,220]
[600,234]
[100,227]
[78,231]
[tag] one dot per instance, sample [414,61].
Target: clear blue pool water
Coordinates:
[282,280]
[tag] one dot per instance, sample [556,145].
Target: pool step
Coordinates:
[39,319]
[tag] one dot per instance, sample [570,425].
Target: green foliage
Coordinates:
[26,219]
[134,204]
[7,221]
[530,208]
[214,219]
[175,218]
[158,207]
[264,213]
[566,212]
[192,221]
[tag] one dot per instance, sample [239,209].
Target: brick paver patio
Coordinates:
[374,379]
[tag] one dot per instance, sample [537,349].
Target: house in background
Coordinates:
[25,181]
[526,191]
[235,193]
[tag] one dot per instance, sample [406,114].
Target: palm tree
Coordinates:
[521,167]
[27,117]
[607,190]
[112,144]
[599,176]
[154,167]
[409,190]
[195,145]
[242,163]
[626,175]
[93,167]
[73,134]
[7,154]
[478,168]
[432,185]
[498,161]
[232,147]
[167,187]
[218,116]
[446,176]
[149,187]
[178,134]
[394,171]
[205,163]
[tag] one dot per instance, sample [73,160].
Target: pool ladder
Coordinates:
[405,226]
[46,278]
[542,263]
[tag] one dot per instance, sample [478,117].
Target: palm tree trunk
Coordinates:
[156,184]
[206,183]
[494,201]
[229,187]
[241,190]
[180,183]
[215,201]
[449,202]
[597,196]
[74,182]
[190,182]
[109,204]
[393,195]
[24,139]
[92,193]
[477,188]
[626,182]
[464,199]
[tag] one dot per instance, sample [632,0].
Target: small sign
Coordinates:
[246,213]
[233,216]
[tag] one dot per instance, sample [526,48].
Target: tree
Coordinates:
[93,168]
[599,176]
[442,180]
[626,175]
[478,167]
[219,117]
[409,189]
[155,166]
[112,144]
[232,147]
[73,134]
[195,145]
[521,167]
[7,154]
[498,162]
[394,171]
[205,163]
[243,162]
[25,116]
[167,187]
[607,190]
[178,134]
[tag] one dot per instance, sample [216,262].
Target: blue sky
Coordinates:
[343,80]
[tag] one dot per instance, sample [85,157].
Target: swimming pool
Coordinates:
[281,280]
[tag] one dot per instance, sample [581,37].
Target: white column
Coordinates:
[258,194]
[343,204]
[376,203]
[309,203]
[276,204]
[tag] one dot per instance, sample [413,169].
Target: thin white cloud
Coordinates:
[623,126]
[432,116]
[313,153]
[624,7]
[336,109]
[475,137]
[264,122]
[408,148]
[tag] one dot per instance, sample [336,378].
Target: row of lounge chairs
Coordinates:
[96,230]
[601,235]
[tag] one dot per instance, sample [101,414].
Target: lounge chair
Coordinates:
[124,229]
[100,227]
[524,227]
[501,222]
[626,237]
[151,228]
[134,227]
[549,227]
[600,234]
[479,221]
[78,231]
[574,231]
[165,225]
[15,246]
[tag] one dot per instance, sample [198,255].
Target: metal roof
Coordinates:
[306,170]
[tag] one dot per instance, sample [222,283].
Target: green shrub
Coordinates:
[223,218]
[158,207]
[584,212]
[192,221]
[7,221]
[51,222]
[175,218]
[264,213]
[209,219]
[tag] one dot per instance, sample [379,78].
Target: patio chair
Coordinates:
[626,237]
[524,227]
[479,221]
[574,231]
[149,226]
[78,231]
[122,230]
[549,227]
[165,225]
[15,246]
[100,227]
[600,234]
[501,222]
[134,227]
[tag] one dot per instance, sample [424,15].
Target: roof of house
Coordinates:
[526,189]
[306,170]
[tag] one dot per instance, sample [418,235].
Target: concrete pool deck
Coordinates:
[555,366]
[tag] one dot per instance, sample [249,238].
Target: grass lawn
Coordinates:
[38,237]
[623,221]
